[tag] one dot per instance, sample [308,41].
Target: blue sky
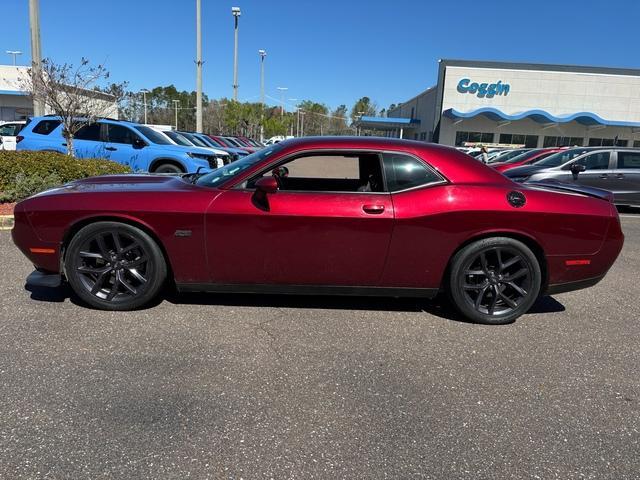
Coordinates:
[326,50]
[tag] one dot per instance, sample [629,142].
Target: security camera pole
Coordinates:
[235,11]
[198,66]
[36,53]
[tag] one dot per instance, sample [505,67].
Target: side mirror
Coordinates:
[139,143]
[576,168]
[267,184]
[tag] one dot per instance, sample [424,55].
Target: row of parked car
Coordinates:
[616,169]
[144,148]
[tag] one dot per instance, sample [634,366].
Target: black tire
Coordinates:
[494,280]
[168,168]
[114,266]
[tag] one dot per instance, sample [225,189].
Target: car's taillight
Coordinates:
[19,138]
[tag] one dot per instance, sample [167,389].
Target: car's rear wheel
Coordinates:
[494,280]
[168,168]
[114,266]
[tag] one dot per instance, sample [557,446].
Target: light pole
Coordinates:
[176,103]
[262,53]
[36,54]
[199,66]
[235,11]
[144,102]
[14,54]
[282,90]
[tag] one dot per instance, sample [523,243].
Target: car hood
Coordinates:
[121,183]
[523,171]
[181,150]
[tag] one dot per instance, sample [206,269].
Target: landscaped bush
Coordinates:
[24,173]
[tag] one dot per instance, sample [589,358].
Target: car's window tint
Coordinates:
[10,129]
[45,127]
[629,160]
[595,161]
[405,171]
[120,134]
[152,135]
[89,132]
[179,139]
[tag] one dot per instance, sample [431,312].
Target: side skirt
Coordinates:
[309,290]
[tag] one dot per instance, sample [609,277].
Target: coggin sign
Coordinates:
[483,90]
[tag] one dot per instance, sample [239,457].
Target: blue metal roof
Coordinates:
[540,116]
[398,120]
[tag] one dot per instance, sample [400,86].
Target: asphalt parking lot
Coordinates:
[213,386]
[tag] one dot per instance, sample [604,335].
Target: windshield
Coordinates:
[206,140]
[560,158]
[179,139]
[523,157]
[195,140]
[152,135]
[233,142]
[221,175]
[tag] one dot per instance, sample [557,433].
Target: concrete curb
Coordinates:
[6,222]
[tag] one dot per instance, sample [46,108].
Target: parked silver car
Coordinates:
[611,168]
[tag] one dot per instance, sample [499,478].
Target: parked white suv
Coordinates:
[8,133]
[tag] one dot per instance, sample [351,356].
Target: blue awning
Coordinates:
[540,116]
[386,123]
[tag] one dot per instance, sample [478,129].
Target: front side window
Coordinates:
[89,132]
[629,160]
[329,172]
[120,134]
[560,158]
[10,129]
[45,127]
[595,161]
[404,171]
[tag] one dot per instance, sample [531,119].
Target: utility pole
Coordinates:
[262,54]
[235,11]
[14,54]
[199,66]
[175,106]
[144,102]
[36,53]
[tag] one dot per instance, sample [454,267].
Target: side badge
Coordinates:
[183,233]
[516,199]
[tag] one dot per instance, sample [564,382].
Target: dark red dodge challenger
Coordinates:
[361,216]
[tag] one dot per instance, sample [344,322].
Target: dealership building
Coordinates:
[521,103]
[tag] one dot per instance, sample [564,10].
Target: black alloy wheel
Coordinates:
[114,266]
[494,280]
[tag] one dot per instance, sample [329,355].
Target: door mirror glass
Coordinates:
[139,143]
[267,185]
[576,168]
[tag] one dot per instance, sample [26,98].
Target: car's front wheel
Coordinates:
[114,266]
[494,280]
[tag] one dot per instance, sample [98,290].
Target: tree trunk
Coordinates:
[69,141]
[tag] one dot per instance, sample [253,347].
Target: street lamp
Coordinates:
[262,53]
[176,104]
[282,90]
[235,11]
[14,54]
[144,101]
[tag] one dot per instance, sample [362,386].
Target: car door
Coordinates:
[627,177]
[598,171]
[87,142]
[329,223]
[120,146]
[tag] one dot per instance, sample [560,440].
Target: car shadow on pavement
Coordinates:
[438,306]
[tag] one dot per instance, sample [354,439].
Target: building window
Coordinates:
[607,142]
[562,141]
[475,137]
[636,144]
[529,141]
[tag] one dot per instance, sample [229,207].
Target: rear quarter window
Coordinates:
[45,127]
[404,171]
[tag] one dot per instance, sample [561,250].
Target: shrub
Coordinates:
[27,172]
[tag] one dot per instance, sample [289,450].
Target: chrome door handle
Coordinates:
[373,209]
